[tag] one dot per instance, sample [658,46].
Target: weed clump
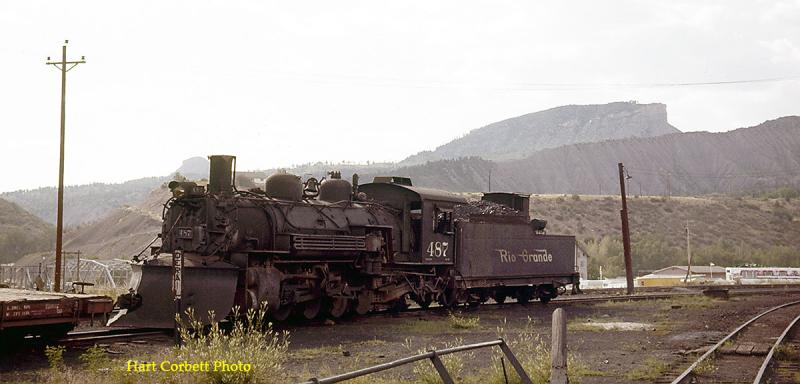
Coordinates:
[463,322]
[249,351]
[706,366]
[250,341]
[454,363]
[94,358]
[534,355]
[651,369]
[55,357]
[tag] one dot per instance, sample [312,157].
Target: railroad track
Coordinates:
[754,352]
[77,338]
[106,335]
[605,296]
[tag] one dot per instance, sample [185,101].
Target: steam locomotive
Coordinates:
[329,248]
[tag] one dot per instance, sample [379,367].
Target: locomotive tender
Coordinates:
[333,247]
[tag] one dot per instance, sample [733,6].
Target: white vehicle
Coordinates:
[762,274]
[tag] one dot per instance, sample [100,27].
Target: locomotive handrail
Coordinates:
[433,355]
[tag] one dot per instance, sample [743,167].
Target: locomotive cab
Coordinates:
[427,220]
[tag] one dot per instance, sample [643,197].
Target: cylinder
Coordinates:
[220,178]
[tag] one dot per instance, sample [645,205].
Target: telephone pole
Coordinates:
[688,254]
[626,236]
[62,66]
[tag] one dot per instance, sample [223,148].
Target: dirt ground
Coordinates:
[668,327]
[611,342]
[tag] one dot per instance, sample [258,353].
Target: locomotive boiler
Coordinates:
[309,248]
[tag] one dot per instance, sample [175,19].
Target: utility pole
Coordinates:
[626,236]
[669,180]
[62,66]
[688,254]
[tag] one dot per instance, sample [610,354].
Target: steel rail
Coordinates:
[106,334]
[683,376]
[566,300]
[768,359]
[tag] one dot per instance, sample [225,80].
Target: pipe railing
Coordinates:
[433,356]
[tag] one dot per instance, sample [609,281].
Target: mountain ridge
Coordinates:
[520,136]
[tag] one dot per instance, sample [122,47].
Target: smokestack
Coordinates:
[220,178]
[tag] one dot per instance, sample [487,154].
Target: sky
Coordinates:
[283,83]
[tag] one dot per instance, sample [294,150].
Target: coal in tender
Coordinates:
[482,207]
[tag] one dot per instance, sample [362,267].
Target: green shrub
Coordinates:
[251,340]
[55,356]
[94,358]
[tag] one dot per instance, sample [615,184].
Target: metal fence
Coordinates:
[433,356]
[106,273]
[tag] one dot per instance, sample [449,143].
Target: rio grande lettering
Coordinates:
[537,256]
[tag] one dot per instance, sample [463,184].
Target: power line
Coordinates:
[387,81]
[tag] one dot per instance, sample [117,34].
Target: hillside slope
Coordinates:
[725,230]
[83,203]
[22,233]
[756,158]
[520,136]
[124,232]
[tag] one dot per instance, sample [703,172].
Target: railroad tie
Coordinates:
[746,349]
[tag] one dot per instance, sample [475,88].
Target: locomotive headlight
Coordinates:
[176,188]
[178,192]
[185,189]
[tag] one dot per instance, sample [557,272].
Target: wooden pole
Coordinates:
[558,352]
[688,254]
[62,66]
[626,235]
[60,205]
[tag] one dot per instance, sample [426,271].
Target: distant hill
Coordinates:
[22,233]
[763,157]
[194,168]
[469,174]
[521,136]
[745,160]
[125,231]
[120,234]
[83,203]
[758,158]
